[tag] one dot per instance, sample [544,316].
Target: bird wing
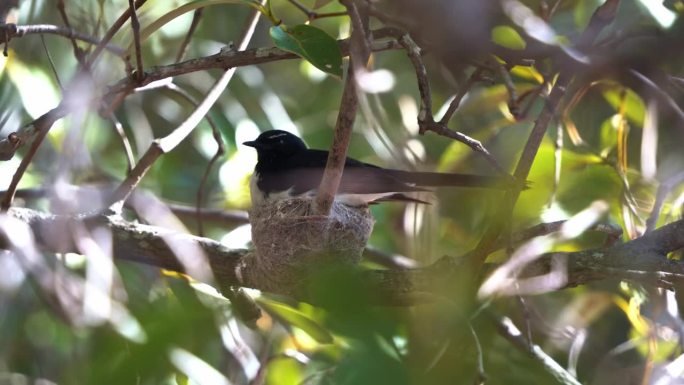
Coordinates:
[305,170]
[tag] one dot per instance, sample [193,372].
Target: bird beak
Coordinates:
[251,143]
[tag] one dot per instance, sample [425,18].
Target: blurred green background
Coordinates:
[175,332]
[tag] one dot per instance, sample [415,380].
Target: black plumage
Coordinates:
[286,167]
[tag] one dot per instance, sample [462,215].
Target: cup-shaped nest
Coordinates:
[290,239]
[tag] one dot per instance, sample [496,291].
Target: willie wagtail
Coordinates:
[287,168]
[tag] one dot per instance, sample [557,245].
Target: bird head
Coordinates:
[276,144]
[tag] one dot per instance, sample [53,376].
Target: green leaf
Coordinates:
[310,43]
[182,379]
[296,318]
[582,12]
[508,37]
[609,135]
[185,8]
[321,3]
[635,109]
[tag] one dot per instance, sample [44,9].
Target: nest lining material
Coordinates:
[290,239]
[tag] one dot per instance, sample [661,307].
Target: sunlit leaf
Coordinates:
[608,135]
[635,109]
[527,72]
[296,318]
[36,88]
[487,100]
[508,37]
[182,379]
[312,44]
[284,372]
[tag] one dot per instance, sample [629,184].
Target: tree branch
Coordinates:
[230,58]
[10,31]
[169,142]
[337,155]
[642,259]
[603,16]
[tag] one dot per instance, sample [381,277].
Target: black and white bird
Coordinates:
[287,168]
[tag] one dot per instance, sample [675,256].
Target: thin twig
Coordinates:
[196,17]
[481,373]
[453,106]
[414,53]
[77,51]
[169,142]
[41,126]
[613,233]
[201,195]
[557,162]
[313,15]
[513,106]
[660,93]
[510,332]
[128,149]
[220,150]
[474,144]
[390,261]
[135,26]
[426,121]
[28,132]
[222,216]
[10,31]
[113,30]
[52,63]
[663,191]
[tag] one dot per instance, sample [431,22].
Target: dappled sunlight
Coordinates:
[325,192]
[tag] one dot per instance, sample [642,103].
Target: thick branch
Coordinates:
[642,259]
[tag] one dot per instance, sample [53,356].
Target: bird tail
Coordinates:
[436,179]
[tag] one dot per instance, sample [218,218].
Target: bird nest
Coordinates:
[290,240]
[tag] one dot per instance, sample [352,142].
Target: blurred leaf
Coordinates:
[183,9]
[582,12]
[224,127]
[608,135]
[528,72]
[321,3]
[634,107]
[38,91]
[295,318]
[284,372]
[507,36]
[312,44]
[487,99]
[182,379]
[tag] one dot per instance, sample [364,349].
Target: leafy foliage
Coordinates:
[100,319]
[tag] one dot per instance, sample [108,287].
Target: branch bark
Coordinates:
[643,259]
